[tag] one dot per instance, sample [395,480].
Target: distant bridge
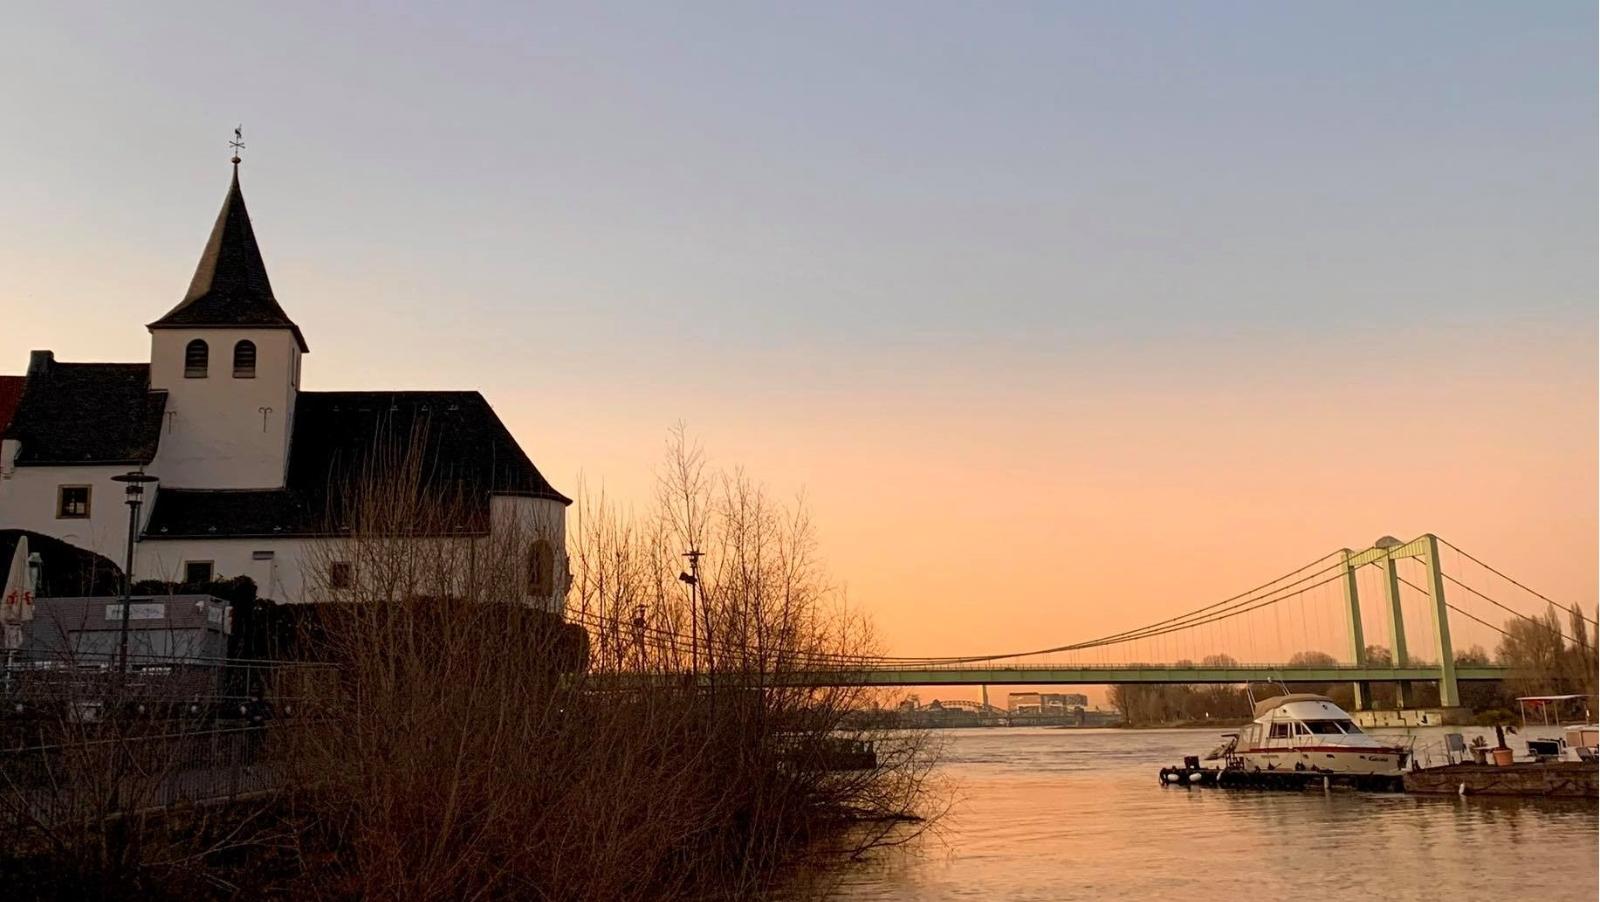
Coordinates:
[1113,675]
[1316,608]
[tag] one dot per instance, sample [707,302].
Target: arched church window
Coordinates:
[244,360]
[541,568]
[196,360]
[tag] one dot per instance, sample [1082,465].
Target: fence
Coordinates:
[96,686]
[81,783]
[84,739]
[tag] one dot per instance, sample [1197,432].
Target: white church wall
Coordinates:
[276,565]
[536,519]
[29,497]
[223,432]
[286,575]
[516,523]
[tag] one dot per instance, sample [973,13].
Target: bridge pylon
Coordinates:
[1361,692]
[1449,692]
[1397,621]
[1388,552]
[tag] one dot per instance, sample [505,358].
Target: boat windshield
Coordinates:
[1331,727]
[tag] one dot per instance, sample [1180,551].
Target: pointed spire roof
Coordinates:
[230,288]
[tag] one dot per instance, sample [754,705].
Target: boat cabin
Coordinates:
[1298,719]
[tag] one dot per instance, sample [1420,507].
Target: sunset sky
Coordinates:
[1063,317]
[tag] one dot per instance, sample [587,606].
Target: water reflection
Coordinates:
[1075,814]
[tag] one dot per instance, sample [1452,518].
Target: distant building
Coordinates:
[1046,703]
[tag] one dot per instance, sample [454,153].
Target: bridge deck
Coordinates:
[1041,675]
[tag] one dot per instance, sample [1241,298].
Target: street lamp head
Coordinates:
[686,578]
[135,482]
[1387,542]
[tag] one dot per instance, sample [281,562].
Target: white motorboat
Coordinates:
[1305,732]
[1581,741]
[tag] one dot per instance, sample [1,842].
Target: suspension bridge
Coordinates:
[1393,613]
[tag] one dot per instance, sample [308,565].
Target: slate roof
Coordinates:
[230,288]
[88,413]
[338,438]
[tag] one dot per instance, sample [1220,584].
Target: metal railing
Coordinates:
[155,683]
[85,783]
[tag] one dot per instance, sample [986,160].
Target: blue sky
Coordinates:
[839,175]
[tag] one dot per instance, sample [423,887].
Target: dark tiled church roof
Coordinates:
[460,438]
[230,286]
[207,513]
[338,438]
[88,413]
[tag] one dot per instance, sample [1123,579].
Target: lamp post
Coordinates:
[135,482]
[692,579]
[638,634]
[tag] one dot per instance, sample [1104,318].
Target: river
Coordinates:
[1042,813]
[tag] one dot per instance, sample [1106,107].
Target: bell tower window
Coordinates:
[196,359]
[244,360]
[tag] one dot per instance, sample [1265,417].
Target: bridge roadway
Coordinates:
[1132,674]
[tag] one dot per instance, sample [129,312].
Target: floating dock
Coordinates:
[1236,778]
[1550,780]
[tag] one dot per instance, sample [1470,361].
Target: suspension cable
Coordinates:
[1216,612]
[1508,579]
[1502,632]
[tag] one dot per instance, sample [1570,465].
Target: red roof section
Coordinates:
[10,397]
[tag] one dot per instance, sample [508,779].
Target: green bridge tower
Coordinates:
[1387,552]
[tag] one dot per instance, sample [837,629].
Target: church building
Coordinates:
[248,465]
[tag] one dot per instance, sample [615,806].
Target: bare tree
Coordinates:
[467,753]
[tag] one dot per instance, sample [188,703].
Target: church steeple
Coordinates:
[230,288]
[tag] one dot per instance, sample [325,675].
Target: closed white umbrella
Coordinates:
[16,603]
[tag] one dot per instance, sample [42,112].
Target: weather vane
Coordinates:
[237,143]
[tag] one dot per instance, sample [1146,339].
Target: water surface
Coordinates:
[1079,814]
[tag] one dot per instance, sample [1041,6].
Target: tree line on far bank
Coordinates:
[1545,656]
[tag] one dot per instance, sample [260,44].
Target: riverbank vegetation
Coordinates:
[449,747]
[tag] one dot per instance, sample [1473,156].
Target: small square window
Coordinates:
[340,575]
[72,502]
[196,572]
